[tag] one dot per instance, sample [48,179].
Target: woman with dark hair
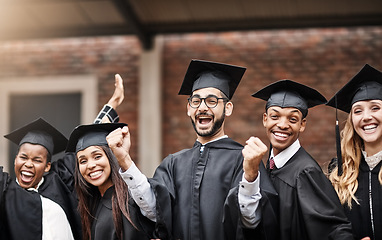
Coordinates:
[358,177]
[106,210]
[40,202]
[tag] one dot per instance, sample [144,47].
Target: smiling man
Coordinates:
[208,124]
[309,206]
[189,189]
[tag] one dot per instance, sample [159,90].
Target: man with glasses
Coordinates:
[187,195]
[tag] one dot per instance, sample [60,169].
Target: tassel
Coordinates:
[338,145]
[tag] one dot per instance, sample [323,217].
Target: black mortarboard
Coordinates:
[365,85]
[84,136]
[202,74]
[287,93]
[39,132]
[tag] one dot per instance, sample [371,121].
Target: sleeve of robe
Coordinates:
[4,180]
[165,198]
[320,207]
[268,227]
[143,224]
[65,169]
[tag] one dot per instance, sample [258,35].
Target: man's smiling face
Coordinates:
[283,126]
[208,122]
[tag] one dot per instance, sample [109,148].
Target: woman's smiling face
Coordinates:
[367,119]
[95,168]
[31,164]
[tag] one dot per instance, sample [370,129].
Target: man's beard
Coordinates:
[217,125]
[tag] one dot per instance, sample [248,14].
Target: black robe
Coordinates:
[103,226]
[309,205]
[21,210]
[359,215]
[191,189]
[269,204]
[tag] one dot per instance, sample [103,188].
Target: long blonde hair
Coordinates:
[346,185]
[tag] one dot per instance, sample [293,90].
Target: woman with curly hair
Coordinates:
[106,210]
[358,177]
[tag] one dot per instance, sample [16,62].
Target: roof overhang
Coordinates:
[25,19]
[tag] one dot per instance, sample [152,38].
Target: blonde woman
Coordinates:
[358,177]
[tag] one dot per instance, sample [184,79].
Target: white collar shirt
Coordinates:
[283,157]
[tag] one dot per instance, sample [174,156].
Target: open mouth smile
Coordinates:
[204,119]
[27,176]
[369,128]
[280,135]
[96,174]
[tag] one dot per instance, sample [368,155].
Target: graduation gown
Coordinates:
[191,188]
[269,204]
[309,205]
[359,215]
[22,209]
[103,225]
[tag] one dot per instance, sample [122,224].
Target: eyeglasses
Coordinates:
[210,101]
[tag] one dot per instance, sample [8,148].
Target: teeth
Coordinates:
[368,127]
[281,134]
[95,174]
[27,174]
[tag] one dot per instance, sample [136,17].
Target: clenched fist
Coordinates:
[253,152]
[119,143]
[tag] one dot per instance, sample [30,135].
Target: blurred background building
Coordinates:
[58,59]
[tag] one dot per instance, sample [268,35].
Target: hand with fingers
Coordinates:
[119,142]
[253,152]
[118,94]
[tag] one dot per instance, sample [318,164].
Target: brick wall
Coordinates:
[322,58]
[102,57]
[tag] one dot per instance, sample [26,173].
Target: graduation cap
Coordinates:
[287,93]
[39,132]
[365,85]
[202,74]
[84,136]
